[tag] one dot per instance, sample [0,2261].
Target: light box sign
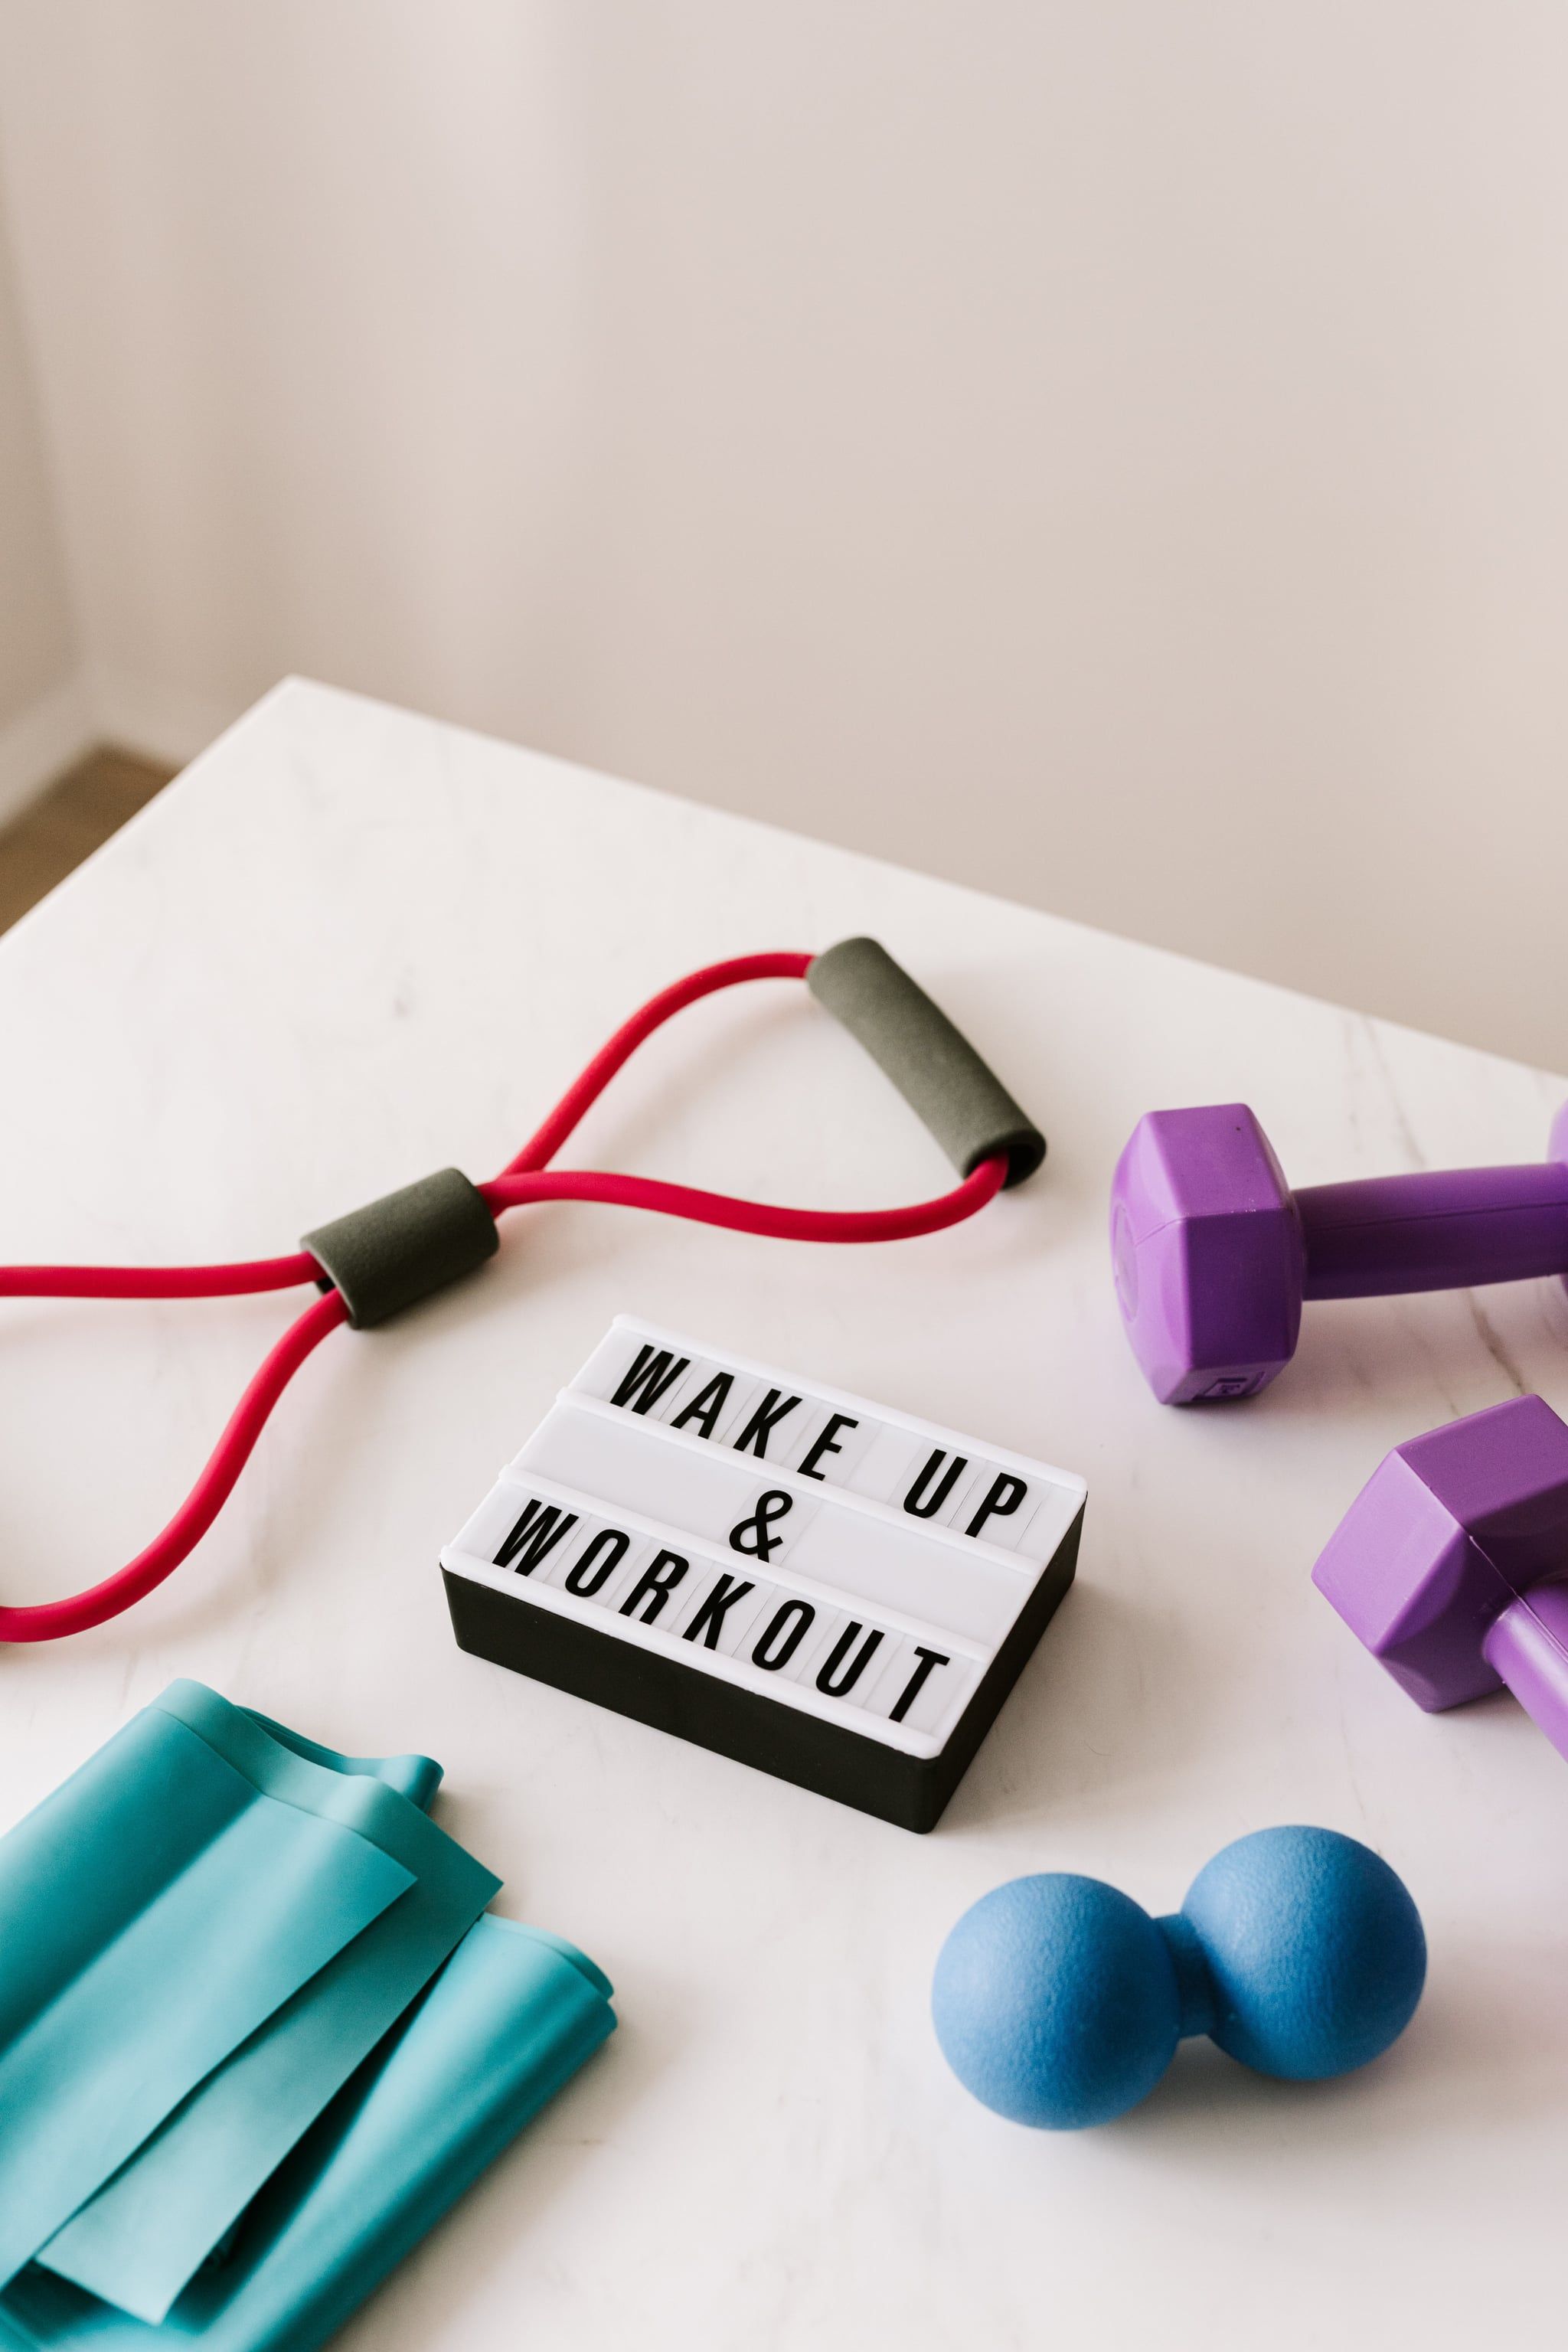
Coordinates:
[818,1585]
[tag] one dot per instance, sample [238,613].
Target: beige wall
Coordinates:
[38,697]
[1110,451]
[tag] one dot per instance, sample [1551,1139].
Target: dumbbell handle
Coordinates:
[1528,1646]
[1446,1229]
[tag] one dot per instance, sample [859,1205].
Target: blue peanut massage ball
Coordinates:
[1060,2002]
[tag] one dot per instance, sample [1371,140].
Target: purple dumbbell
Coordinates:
[1449,1565]
[1213,1252]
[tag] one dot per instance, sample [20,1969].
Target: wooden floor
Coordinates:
[40,847]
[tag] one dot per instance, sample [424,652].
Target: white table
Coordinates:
[351,945]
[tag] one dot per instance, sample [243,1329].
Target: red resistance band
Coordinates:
[527,1178]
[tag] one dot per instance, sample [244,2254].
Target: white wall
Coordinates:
[1110,451]
[43,716]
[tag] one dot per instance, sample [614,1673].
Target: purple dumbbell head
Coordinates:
[1214,1254]
[1208,1254]
[1449,1564]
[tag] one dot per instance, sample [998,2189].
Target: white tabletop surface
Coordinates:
[351,945]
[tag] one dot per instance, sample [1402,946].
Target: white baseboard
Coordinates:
[48,738]
[97,708]
[162,723]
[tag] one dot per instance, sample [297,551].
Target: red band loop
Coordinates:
[524,1179]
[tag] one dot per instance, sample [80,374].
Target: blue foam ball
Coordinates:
[1314,1948]
[1055,2002]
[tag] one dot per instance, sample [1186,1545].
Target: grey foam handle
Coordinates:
[397,1250]
[932,1064]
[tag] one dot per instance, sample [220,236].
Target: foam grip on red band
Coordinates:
[397,1250]
[933,1065]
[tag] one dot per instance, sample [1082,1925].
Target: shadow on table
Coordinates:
[1473,2066]
[1093,1710]
[1470,1348]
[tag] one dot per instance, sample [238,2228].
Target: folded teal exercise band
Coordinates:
[147,2232]
[247,1984]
